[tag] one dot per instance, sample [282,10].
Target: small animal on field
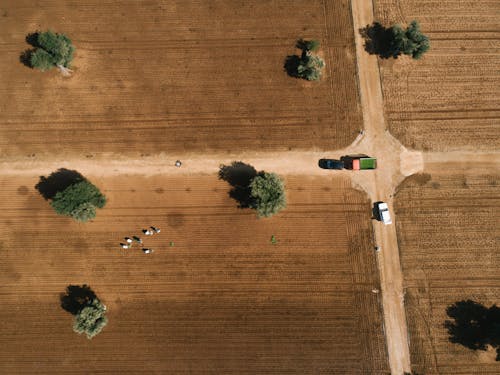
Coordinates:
[147,251]
[156,230]
[137,239]
[128,239]
[147,232]
[125,245]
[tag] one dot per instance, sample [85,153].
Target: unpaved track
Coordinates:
[380,143]
[395,162]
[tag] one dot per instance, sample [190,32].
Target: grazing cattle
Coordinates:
[136,239]
[147,232]
[156,230]
[125,245]
[128,239]
[147,251]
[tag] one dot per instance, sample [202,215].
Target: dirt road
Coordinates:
[381,186]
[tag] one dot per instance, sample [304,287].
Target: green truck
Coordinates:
[359,162]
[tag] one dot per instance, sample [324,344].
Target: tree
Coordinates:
[91,319]
[409,42]
[394,41]
[307,66]
[79,201]
[475,326]
[52,50]
[262,191]
[268,193]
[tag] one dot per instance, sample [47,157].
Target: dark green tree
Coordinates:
[91,319]
[268,193]
[52,50]
[307,66]
[474,326]
[79,201]
[409,42]
[395,40]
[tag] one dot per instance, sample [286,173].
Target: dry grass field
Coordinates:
[449,239]
[222,300]
[177,76]
[449,99]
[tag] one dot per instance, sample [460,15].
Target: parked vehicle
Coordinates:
[381,212]
[359,162]
[331,164]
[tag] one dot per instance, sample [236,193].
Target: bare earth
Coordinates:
[222,300]
[449,99]
[177,77]
[449,239]
[203,83]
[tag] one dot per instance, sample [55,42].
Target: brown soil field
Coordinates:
[223,300]
[177,76]
[449,239]
[449,99]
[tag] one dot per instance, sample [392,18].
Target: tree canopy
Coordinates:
[268,193]
[307,66]
[474,326]
[410,41]
[395,40]
[52,50]
[262,191]
[91,319]
[79,201]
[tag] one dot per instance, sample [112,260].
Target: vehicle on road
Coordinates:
[359,162]
[381,212]
[331,164]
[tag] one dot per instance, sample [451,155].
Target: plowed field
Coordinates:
[449,239]
[222,300]
[449,99]
[177,76]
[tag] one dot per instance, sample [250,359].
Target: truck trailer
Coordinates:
[359,162]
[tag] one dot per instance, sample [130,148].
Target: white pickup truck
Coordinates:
[383,213]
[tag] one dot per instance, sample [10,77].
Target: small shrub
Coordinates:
[308,45]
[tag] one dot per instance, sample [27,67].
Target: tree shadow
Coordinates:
[474,326]
[25,57]
[291,65]
[239,175]
[76,298]
[378,40]
[32,39]
[57,181]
